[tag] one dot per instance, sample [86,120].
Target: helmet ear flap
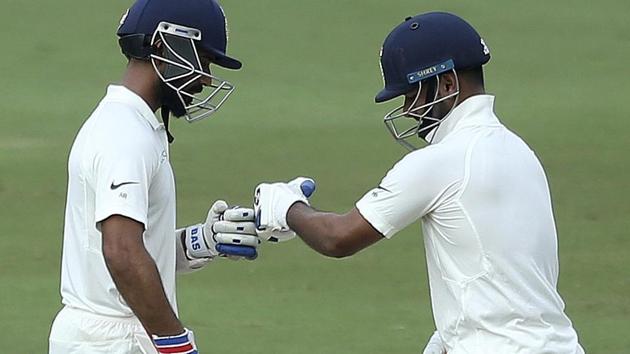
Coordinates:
[136,46]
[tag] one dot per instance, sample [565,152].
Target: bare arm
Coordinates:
[136,276]
[331,234]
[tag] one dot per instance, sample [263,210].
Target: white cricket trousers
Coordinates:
[77,331]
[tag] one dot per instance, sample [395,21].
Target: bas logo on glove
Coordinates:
[195,239]
[272,202]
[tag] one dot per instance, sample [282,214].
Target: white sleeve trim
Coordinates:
[128,212]
[375,219]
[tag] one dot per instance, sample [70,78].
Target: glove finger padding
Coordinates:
[246,228]
[237,239]
[239,214]
[216,211]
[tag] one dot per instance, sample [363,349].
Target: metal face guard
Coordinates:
[184,73]
[404,125]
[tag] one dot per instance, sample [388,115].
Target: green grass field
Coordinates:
[304,105]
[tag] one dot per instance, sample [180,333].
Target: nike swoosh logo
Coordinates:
[115,186]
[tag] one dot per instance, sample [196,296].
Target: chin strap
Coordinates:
[166,114]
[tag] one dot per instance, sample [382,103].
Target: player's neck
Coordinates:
[140,78]
[468,90]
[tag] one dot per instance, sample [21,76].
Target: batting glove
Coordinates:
[180,344]
[435,345]
[227,232]
[272,202]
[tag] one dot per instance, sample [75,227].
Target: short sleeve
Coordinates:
[408,191]
[122,174]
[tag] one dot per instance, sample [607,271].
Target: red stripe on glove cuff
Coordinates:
[184,348]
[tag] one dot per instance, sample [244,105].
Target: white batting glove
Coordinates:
[272,202]
[435,345]
[180,344]
[228,232]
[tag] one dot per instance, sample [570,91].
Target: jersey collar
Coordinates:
[124,95]
[475,110]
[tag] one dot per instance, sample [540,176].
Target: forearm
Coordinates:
[322,231]
[137,278]
[282,207]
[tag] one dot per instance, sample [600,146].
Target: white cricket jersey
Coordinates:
[119,164]
[489,235]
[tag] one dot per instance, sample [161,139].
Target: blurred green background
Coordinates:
[304,106]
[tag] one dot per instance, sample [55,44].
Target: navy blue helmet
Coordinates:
[414,54]
[424,46]
[207,16]
[175,35]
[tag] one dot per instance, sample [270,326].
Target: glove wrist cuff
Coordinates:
[196,243]
[284,208]
[179,344]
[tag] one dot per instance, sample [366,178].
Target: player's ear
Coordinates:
[159,48]
[448,83]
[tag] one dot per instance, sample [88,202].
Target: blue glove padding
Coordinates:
[248,252]
[307,187]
